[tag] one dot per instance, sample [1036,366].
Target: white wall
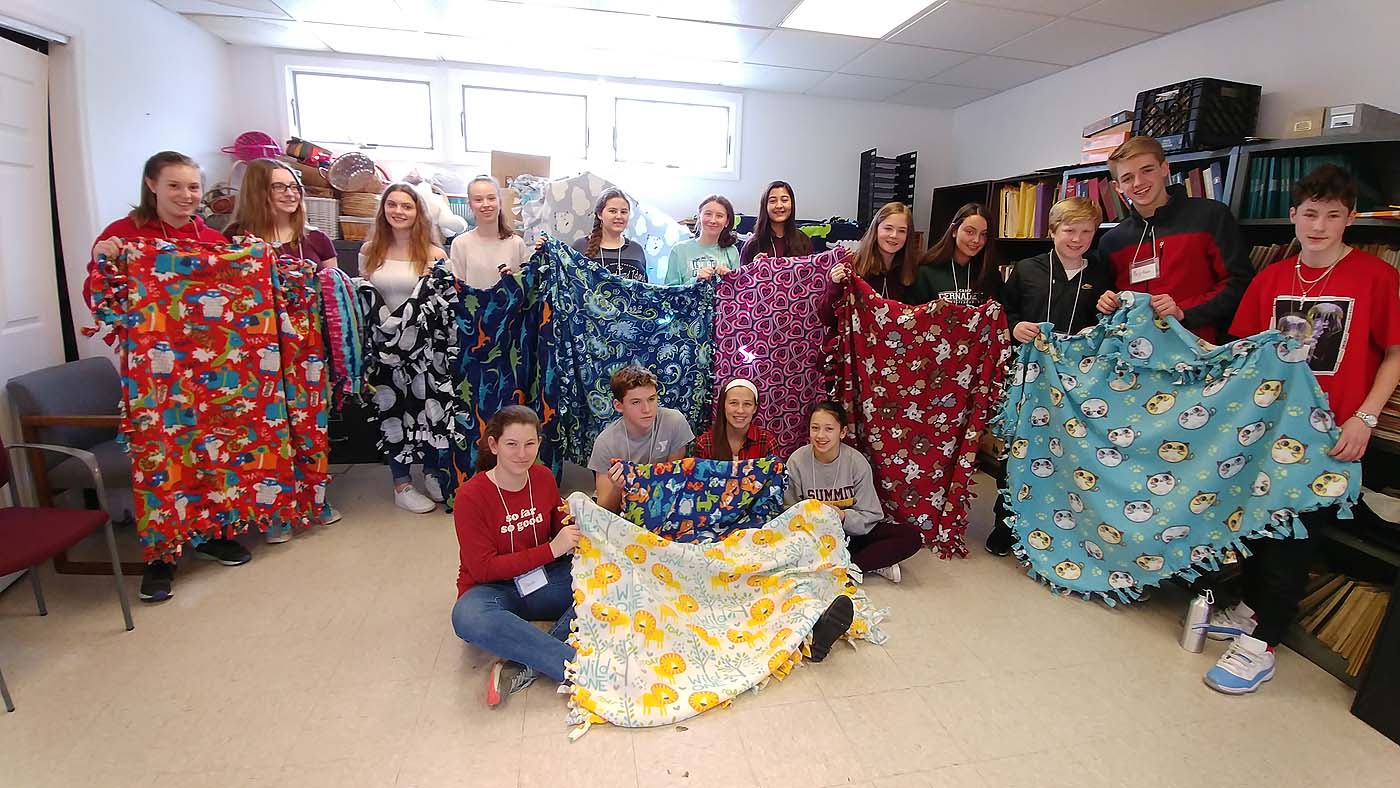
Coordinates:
[134,79]
[1305,53]
[813,143]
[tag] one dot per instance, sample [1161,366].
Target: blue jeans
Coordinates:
[495,617]
[403,473]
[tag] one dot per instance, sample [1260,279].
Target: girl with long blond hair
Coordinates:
[883,255]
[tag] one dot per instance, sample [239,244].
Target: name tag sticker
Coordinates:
[1144,270]
[531,581]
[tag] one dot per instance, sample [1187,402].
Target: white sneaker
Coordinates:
[890,573]
[1231,622]
[1246,664]
[277,534]
[431,486]
[414,501]
[331,517]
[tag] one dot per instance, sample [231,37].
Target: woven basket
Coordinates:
[310,176]
[358,204]
[356,172]
[323,214]
[355,228]
[253,145]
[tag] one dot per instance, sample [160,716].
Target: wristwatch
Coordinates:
[1366,418]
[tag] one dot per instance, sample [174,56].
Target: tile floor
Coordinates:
[329,661]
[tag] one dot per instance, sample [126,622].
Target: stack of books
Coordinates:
[1025,209]
[1267,255]
[1345,615]
[1271,180]
[1099,190]
[1203,182]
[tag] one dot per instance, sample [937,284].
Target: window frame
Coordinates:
[729,142]
[463,87]
[294,123]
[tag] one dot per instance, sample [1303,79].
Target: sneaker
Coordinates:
[277,534]
[1246,664]
[1231,622]
[834,623]
[1001,540]
[890,573]
[225,551]
[509,675]
[331,517]
[523,679]
[414,501]
[156,582]
[433,488]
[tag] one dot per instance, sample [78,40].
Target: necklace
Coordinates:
[1306,286]
[651,439]
[813,467]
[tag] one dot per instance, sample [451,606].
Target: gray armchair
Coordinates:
[77,405]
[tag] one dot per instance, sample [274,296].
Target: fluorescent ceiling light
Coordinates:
[867,20]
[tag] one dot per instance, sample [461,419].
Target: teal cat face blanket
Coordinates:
[1137,452]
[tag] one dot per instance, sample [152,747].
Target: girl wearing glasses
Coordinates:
[270,207]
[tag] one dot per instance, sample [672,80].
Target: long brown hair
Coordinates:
[796,243]
[868,259]
[381,235]
[595,238]
[719,430]
[145,210]
[727,236]
[503,229]
[496,427]
[253,213]
[984,266]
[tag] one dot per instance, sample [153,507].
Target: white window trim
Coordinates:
[733,101]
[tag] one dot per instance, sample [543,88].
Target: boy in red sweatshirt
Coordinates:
[1344,305]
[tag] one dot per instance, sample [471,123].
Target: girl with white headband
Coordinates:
[735,434]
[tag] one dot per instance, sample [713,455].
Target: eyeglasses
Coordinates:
[283,188]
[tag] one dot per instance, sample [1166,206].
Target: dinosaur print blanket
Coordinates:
[694,500]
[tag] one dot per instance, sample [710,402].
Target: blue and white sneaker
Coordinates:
[1246,664]
[1231,622]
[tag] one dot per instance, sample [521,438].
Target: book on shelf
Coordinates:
[1271,178]
[1204,181]
[1024,208]
[1345,615]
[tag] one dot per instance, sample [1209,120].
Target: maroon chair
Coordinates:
[31,535]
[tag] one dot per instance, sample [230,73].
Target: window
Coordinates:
[338,109]
[527,121]
[672,134]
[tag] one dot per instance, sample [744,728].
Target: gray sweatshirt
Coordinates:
[846,483]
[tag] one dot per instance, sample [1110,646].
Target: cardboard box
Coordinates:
[1305,123]
[1110,138]
[1096,156]
[1104,124]
[1360,119]
[506,165]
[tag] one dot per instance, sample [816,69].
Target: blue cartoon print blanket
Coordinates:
[693,500]
[1137,451]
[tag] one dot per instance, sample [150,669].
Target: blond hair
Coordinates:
[381,234]
[867,258]
[1135,146]
[253,213]
[1074,209]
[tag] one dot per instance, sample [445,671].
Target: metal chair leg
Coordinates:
[38,590]
[117,574]
[5,692]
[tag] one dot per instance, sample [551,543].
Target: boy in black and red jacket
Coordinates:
[1186,252]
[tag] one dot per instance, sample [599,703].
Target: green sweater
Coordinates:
[935,279]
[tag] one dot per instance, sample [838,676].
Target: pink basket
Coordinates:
[253,145]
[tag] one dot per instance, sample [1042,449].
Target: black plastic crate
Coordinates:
[1198,114]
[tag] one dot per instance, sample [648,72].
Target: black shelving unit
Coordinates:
[884,179]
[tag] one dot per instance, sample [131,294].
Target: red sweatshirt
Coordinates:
[502,542]
[193,230]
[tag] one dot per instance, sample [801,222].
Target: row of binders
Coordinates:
[1025,208]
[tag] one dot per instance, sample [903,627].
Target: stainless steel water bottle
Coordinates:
[1193,629]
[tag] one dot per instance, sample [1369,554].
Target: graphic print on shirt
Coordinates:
[1321,323]
[528,519]
[843,497]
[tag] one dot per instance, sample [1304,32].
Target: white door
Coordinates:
[30,334]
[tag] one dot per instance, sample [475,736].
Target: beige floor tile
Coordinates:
[895,732]
[1053,769]
[797,744]
[703,750]
[960,776]
[602,758]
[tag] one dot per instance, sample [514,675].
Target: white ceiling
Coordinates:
[953,53]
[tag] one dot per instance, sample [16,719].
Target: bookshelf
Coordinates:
[946,201]
[1099,187]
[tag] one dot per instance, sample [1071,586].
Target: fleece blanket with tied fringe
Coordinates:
[668,630]
[1138,452]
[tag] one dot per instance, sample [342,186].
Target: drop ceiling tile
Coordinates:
[1163,17]
[1052,7]
[805,49]
[995,73]
[359,13]
[970,28]
[352,40]
[927,94]
[757,13]
[504,52]
[901,61]
[856,87]
[264,9]
[701,40]
[1070,42]
[774,78]
[260,32]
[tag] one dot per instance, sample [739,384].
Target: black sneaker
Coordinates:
[834,623]
[156,582]
[225,551]
[1001,540]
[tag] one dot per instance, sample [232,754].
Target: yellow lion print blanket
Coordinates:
[667,630]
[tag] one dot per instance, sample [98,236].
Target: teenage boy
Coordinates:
[645,433]
[1059,287]
[1345,304]
[1186,252]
